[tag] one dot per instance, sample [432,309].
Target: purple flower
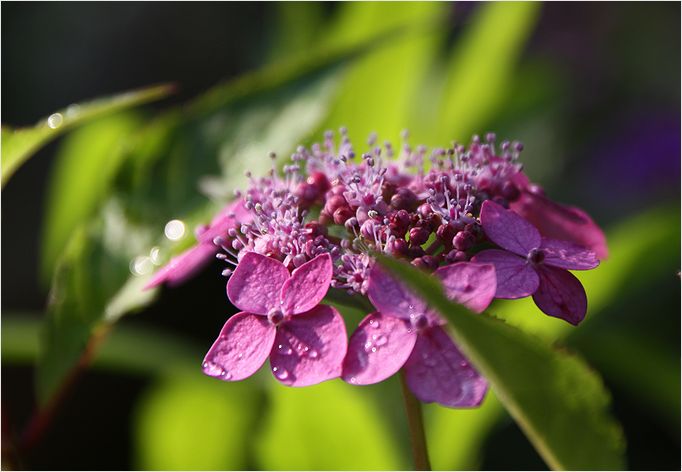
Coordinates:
[281,318]
[557,221]
[533,265]
[406,332]
[185,265]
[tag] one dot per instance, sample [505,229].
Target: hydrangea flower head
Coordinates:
[318,225]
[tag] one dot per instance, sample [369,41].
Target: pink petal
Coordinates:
[241,349]
[378,349]
[230,216]
[184,266]
[309,348]
[561,295]
[391,297]
[471,284]
[438,372]
[566,255]
[515,278]
[256,283]
[561,222]
[507,229]
[307,286]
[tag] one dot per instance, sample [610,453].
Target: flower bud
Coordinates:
[445,233]
[510,192]
[342,214]
[463,240]
[334,203]
[419,235]
[404,199]
[319,181]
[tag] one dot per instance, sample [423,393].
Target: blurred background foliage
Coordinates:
[591,89]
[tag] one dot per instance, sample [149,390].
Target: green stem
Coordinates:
[416,424]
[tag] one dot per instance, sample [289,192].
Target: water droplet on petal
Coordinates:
[374,324]
[381,340]
[374,349]
[464,364]
[313,354]
[55,120]
[283,349]
[353,380]
[226,375]
[212,369]
[280,373]
[368,346]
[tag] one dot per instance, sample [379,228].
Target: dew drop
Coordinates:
[280,373]
[73,111]
[353,380]
[285,350]
[141,265]
[226,375]
[374,324]
[55,120]
[313,354]
[464,364]
[368,346]
[374,349]
[381,340]
[174,230]
[212,369]
[155,255]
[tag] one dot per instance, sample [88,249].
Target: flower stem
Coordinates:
[416,424]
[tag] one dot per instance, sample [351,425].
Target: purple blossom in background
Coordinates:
[406,332]
[318,225]
[532,265]
[281,318]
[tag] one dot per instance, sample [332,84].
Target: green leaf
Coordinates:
[471,428]
[129,348]
[560,404]
[195,423]
[89,292]
[380,91]
[18,144]
[481,68]
[330,426]
[90,156]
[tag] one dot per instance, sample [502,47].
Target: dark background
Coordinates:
[618,66]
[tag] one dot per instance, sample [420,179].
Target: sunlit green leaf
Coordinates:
[18,144]
[85,165]
[379,92]
[330,426]
[560,404]
[195,423]
[128,348]
[480,69]
[469,426]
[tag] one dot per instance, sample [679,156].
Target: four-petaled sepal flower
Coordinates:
[281,318]
[406,332]
[529,264]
